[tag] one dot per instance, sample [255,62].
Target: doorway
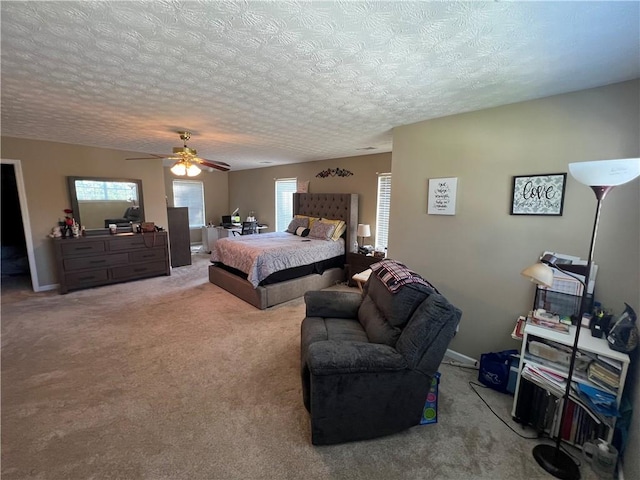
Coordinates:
[18,263]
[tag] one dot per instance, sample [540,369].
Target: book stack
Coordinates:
[605,373]
[542,318]
[540,401]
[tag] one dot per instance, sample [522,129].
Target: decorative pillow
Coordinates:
[375,325]
[302,232]
[322,230]
[341,226]
[310,219]
[297,222]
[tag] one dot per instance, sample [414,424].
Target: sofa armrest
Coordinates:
[333,304]
[330,357]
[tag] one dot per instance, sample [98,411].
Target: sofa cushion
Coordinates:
[318,329]
[375,324]
[396,307]
[424,340]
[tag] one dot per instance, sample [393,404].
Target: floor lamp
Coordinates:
[601,176]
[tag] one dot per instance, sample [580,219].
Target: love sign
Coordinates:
[538,194]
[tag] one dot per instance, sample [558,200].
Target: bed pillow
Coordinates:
[311,219]
[322,231]
[341,226]
[302,232]
[296,223]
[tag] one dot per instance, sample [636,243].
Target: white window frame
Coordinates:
[195,221]
[284,190]
[383,208]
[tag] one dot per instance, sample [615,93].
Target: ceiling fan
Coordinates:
[187,160]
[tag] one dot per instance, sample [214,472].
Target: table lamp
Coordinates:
[364,230]
[601,176]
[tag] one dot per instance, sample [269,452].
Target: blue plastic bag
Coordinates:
[494,369]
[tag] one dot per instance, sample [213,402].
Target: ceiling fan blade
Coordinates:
[151,157]
[222,164]
[211,164]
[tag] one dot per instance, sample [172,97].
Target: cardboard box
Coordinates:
[430,410]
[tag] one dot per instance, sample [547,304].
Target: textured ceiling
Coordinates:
[288,82]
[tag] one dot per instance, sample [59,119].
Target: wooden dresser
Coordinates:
[100,260]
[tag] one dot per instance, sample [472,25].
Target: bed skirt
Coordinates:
[273,294]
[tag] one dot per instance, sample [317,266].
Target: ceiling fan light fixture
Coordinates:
[193,170]
[179,169]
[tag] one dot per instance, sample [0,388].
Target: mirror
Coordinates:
[97,202]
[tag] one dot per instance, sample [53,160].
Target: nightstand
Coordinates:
[358,263]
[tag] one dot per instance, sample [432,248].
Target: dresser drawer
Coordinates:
[140,240]
[71,247]
[140,270]
[96,261]
[147,255]
[88,278]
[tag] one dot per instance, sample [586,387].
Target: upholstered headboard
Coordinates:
[336,206]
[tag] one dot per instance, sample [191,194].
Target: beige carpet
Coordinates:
[174,378]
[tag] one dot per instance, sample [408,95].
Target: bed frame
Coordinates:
[340,206]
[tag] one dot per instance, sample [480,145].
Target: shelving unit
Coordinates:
[554,390]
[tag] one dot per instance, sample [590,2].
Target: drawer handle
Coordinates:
[86,278]
[148,256]
[138,270]
[84,248]
[97,261]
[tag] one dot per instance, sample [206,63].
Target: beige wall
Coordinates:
[45,166]
[255,189]
[476,256]
[216,196]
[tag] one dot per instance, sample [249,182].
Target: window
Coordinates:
[189,193]
[382,210]
[285,188]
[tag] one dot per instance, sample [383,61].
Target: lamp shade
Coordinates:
[539,273]
[179,169]
[364,230]
[605,172]
[193,170]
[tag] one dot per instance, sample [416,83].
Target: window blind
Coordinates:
[190,193]
[382,210]
[285,188]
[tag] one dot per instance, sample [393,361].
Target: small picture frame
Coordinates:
[442,196]
[538,194]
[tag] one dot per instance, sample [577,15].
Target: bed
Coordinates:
[264,288]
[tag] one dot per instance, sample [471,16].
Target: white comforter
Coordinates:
[263,254]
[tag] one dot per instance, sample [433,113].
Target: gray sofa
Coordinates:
[367,359]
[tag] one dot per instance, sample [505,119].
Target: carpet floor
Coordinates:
[174,378]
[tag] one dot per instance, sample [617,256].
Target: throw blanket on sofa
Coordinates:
[395,274]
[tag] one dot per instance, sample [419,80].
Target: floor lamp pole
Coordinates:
[552,458]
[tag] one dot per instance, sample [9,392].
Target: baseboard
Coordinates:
[46,288]
[458,357]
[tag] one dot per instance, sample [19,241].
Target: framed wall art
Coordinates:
[442,196]
[538,194]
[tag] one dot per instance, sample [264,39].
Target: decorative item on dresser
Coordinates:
[104,259]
